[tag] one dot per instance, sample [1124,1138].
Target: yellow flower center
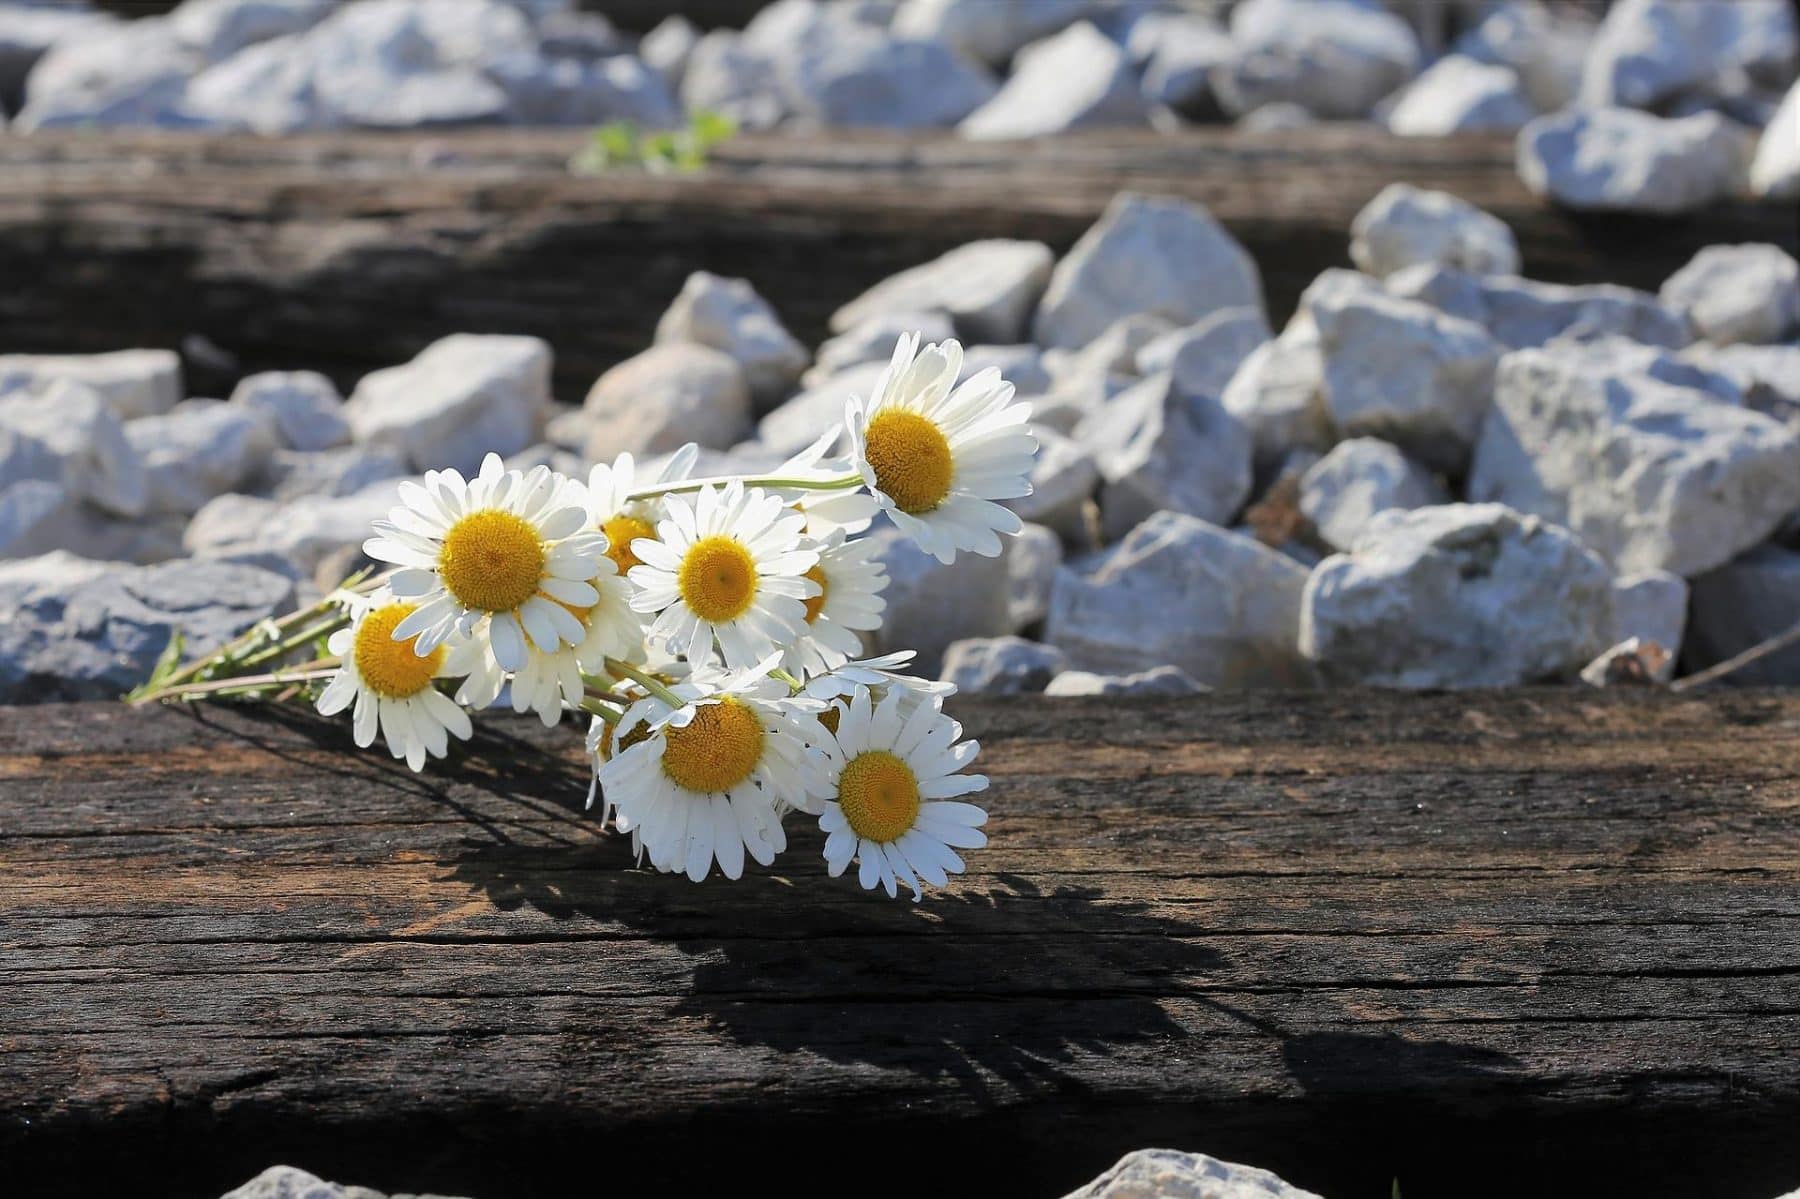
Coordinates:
[492,560]
[880,796]
[717,749]
[620,532]
[391,668]
[911,458]
[639,732]
[816,604]
[718,578]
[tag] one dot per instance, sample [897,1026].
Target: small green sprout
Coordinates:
[624,145]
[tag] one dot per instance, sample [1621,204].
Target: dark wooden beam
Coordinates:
[1501,944]
[352,251]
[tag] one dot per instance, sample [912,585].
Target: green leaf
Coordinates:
[166,662]
[710,128]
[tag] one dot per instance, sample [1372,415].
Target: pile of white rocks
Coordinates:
[1438,474]
[1657,106]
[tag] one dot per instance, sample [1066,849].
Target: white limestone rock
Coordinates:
[1064,478]
[874,339]
[1078,79]
[1741,604]
[1344,490]
[1648,52]
[130,73]
[1022,365]
[985,31]
[1619,356]
[1108,364]
[286,1182]
[1460,595]
[345,470]
[1278,394]
[1401,370]
[80,631]
[1000,665]
[1652,475]
[1238,600]
[1619,159]
[1748,293]
[197,450]
[1204,356]
[1547,46]
[40,512]
[382,64]
[1652,606]
[1521,313]
[1767,378]
[1169,1174]
[1032,560]
[1335,58]
[27,33]
[1163,449]
[132,382]
[1178,54]
[80,431]
[1775,171]
[1406,225]
[729,315]
[930,605]
[842,72]
[217,29]
[304,406]
[1459,95]
[800,422]
[1148,254]
[571,91]
[725,75]
[1162,682]
[37,511]
[463,397]
[668,47]
[988,288]
[304,532]
[670,394]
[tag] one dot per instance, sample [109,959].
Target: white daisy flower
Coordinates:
[391,684]
[730,569]
[550,681]
[708,781]
[847,509]
[850,580]
[893,777]
[505,547]
[936,458]
[879,674]
[613,512]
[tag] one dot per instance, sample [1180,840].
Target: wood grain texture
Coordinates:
[345,252]
[1541,942]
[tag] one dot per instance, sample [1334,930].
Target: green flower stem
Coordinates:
[795,686]
[648,681]
[839,483]
[329,625]
[322,668]
[229,653]
[594,707]
[600,693]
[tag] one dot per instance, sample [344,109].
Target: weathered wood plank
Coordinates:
[345,252]
[1347,936]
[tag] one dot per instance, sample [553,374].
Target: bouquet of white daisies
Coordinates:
[711,629]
